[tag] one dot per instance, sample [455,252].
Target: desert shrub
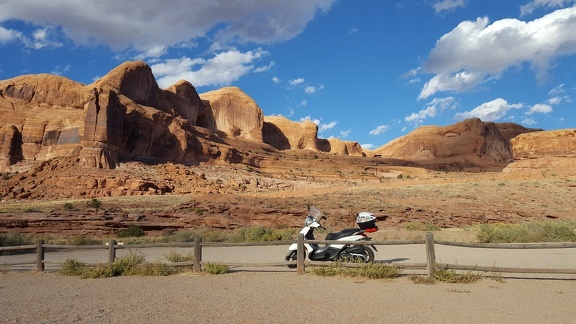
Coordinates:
[539,231]
[131,264]
[131,231]
[261,234]
[417,226]
[451,276]
[94,203]
[83,240]
[368,270]
[174,256]
[215,268]
[68,206]
[15,239]
[72,267]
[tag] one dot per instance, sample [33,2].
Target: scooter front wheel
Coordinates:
[292,256]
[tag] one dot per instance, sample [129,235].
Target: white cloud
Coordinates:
[296,81]
[489,111]
[379,130]
[353,30]
[264,68]
[539,108]
[223,69]
[275,80]
[310,89]
[557,90]
[418,118]
[44,37]
[432,109]
[368,146]
[346,133]
[146,24]
[7,35]
[475,51]
[448,5]
[528,121]
[535,4]
[325,127]
[154,52]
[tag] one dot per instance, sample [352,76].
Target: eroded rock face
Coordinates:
[285,134]
[557,143]
[234,113]
[470,142]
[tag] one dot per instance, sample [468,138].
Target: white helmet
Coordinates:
[364,217]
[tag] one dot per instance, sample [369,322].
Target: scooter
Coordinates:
[336,252]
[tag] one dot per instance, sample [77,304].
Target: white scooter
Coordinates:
[336,252]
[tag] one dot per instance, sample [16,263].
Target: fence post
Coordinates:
[430,253]
[111,251]
[300,255]
[197,254]
[40,256]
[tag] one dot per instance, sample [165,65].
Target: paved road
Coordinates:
[403,254]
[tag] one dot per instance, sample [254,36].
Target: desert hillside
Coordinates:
[172,159]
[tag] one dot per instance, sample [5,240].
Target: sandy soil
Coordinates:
[279,297]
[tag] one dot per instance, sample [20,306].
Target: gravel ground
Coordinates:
[279,297]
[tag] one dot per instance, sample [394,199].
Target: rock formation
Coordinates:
[235,113]
[463,145]
[125,116]
[285,134]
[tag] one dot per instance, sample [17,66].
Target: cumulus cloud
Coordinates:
[539,108]
[447,5]
[476,51]
[224,68]
[490,111]
[145,24]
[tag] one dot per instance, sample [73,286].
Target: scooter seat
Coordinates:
[343,233]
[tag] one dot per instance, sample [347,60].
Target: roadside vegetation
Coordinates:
[134,264]
[529,232]
[367,270]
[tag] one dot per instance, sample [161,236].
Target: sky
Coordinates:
[367,71]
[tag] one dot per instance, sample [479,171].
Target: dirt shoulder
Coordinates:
[279,297]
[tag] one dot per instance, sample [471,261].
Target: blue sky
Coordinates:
[364,70]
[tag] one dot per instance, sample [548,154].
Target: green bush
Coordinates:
[215,268]
[131,231]
[68,206]
[539,231]
[15,239]
[94,203]
[451,276]
[368,270]
[174,256]
[72,267]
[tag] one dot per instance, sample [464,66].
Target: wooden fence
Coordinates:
[430,266]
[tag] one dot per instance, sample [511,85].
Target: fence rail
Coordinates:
[431,265]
